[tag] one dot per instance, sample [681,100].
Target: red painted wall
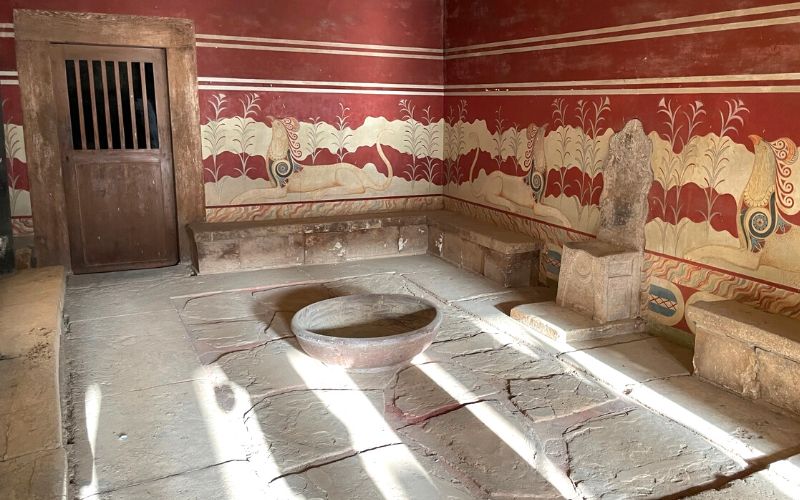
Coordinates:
[394,47]
[708,80]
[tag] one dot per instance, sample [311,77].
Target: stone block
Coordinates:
[413,240]
[725,362]
[451,248]
[512,270]
[435,241]
[600,280]
[272,251]
[325,248]
[752,352]
[217,256]
[372,243]
[566,325]
[627,178]
[472,256]
[778,380]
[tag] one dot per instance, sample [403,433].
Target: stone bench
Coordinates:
[503,256]
[751,352]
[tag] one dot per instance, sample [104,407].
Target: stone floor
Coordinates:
[194,387]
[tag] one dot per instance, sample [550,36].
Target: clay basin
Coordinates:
[367,332]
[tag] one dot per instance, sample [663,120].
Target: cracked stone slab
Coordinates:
[281,365]
[622,365]
[479,455]
[218,307]
[749,428]
[294,431]
[511,362]
[762,486]
[639,454]
[112,352]
[416,396]
[453,284]
[391,472]
[145,435]
[447,350]
[416,264]
[455,325]
[554,397]
[379,283]
[227,480]
[40,475]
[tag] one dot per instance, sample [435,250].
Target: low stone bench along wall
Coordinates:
[751,352]
[503,256]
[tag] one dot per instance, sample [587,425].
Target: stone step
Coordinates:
[565,325]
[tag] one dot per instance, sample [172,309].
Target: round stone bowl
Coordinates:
[367,332]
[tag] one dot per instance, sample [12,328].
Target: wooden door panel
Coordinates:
[116,157]
[118,203]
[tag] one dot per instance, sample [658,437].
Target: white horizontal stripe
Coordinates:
[314,90]
[638,36]
[7,25]
[211,79]
[771,89]
[6,34]
[8,73]
[314,43]
[273,48]
[636,26]
[633,81]
[9,82]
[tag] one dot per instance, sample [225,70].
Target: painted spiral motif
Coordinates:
[537,185]
[280,170]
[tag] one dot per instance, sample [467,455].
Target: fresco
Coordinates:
[22,221]
[722,206]
[252,157]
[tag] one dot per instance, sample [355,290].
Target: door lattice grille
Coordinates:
[112,104]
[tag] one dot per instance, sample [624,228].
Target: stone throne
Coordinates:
[600,282]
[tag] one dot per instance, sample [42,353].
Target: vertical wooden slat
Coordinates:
[145,110]
[79,90]
[90,67]
[119,106]
[132,104]
[104,74]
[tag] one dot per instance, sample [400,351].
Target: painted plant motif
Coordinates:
[343,133]
[244,127]
[563,140]
[15,154]
[455,142]
[590,116]
[213,134]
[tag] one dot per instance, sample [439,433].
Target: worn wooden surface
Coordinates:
[103,29]
[34,33]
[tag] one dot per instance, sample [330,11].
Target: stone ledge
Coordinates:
[751,352]
[565,325]
[484,234]
[32,459]
[770,332]
[502,256]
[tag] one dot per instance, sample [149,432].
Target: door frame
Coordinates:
[34,31]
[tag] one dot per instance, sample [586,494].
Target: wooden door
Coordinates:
[116,154]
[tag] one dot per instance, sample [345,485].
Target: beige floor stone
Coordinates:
[145,435]
[744,428]
[490,410]
[637,454]
[475,451]
[36,476]
[229,480]
[626,364]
